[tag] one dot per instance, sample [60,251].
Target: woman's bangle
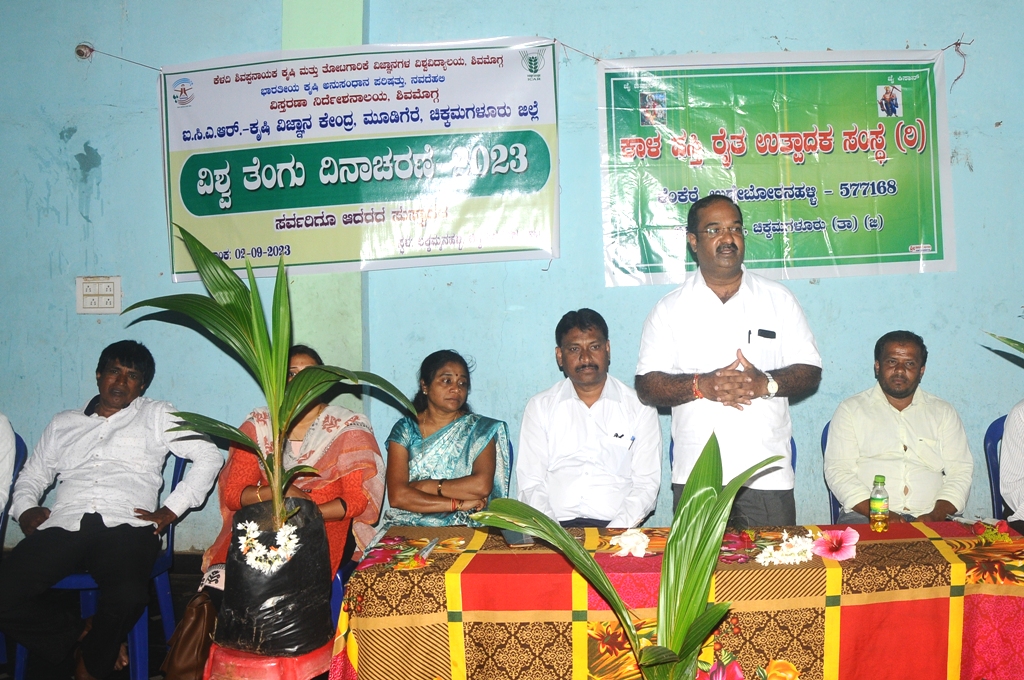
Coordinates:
[259,488]
[454,505]
[460,504]
[439,483]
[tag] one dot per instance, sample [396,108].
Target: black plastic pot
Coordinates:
[288,612]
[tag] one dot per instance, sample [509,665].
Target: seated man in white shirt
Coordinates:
[7,452]
[108,463]
[1011,466]
[589,452]
[894,429]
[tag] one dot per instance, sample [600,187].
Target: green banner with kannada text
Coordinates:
[839,162]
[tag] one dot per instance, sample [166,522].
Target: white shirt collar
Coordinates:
[609,391]
[699,282]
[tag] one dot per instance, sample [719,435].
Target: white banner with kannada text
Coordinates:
[367,157]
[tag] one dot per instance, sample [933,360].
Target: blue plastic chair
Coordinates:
[511,472]
[833,503]
[338,588]
[20,453]
[993,437]
[138,636]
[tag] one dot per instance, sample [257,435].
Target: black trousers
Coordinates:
[584,522]
[118,558]
[754,507]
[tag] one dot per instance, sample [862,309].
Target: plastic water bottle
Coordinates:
[878,514]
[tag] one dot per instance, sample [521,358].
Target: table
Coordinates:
[922,600]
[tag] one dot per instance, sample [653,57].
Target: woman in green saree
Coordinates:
[447,462]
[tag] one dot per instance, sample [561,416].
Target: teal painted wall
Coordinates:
[503,315]
[66,211]
[62,216]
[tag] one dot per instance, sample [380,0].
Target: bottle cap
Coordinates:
[880,480]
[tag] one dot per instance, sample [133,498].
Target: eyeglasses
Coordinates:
[714,231]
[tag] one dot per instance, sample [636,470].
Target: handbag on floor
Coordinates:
[190,644]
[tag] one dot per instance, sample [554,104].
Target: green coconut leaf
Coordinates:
[656,655]
[701,561]
[281,324]
[215,428]
[308,385]
[261,346]
[211,316]
[685,619]
[367,378]
[1016,344]
[701,628]
[223,284]
[677,588]
[377,381]
[234,314]
[298,470]
[507,513]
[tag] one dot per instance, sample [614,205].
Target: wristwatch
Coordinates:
[773,387]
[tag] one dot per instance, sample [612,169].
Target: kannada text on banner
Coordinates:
[369,158]
[839,163]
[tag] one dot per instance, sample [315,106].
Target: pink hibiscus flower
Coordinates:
[836,544]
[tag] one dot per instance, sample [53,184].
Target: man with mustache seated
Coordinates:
[589,452]
[894,429]
[726,351]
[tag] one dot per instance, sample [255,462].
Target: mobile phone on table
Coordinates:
[517,539]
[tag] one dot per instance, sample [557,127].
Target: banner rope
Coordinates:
[957,45]
[85,51]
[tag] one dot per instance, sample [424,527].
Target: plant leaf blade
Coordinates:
[1016,344]
[508,513]
[215,428]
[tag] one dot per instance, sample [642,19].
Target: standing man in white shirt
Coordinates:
[589,452]
[727,350]
[895,429]
[108,463]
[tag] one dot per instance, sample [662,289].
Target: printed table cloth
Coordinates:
[932,601]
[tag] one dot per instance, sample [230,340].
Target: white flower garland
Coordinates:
[631,542]
[792,550]
[259,556]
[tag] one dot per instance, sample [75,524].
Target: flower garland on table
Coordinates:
[259,556]
[792,550]
[631,542]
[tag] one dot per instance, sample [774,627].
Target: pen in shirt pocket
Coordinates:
[631,440]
